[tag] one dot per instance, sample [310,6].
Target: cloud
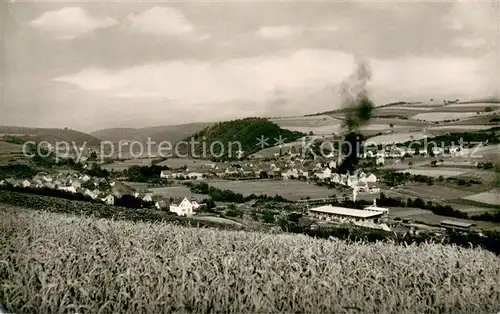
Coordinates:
[70,22]
[160,20]
[297,74]
[276,32]
[470,42]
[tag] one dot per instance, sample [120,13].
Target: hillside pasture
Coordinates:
[491,197]
[399,137]
[289,189]
[436,172]
[458,128]
[477,106]
[442,115]
[122,165]
[60,263]
[178,191]
[175,163]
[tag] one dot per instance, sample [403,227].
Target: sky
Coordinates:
[93,65]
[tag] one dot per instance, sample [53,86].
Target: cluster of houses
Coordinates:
[100,189]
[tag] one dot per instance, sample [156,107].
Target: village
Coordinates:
[284,168]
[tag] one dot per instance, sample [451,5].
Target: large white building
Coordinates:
[184,208]
[329,212]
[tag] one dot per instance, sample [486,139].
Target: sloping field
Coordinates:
[459,128]
[53,263]
[121,165]
[177,192]
[399,137]
[433,172]
[289,189]
[476,106]
[491,197]
[441,116]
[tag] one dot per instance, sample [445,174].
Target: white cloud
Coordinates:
[470,42]
[297,74]
[70,22]
[160,20]
[275,32]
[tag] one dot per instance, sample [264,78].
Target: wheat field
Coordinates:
[53,263]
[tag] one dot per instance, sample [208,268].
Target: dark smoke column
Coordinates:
[358,107]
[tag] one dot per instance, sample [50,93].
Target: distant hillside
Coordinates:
[50,135]
[246,132]
[172,133]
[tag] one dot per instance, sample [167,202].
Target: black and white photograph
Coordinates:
[250,156]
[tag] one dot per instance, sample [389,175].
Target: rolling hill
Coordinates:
[50,135]
[172,133]
[244,131]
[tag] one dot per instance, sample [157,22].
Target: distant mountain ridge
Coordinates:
[171,133]
[51,135]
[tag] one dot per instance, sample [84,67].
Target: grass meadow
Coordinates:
[67,264]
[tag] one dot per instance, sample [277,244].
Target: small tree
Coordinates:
[488,109]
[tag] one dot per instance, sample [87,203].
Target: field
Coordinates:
[491,197]
[175,163]
[56,263]
[122,165]
[444,115]
[177,192]
[436,172]
[289,189]
[399,137]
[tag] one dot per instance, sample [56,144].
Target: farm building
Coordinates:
[456,225]
[328,211]
[375,208]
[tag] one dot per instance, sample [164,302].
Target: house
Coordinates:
[148,197]
[12,182]
[325,174]
[166,174]
[247,171]
[456,225]
[375,208]
[231,171]
[76,184]
[290,174]
[332,164]
[328,213]
[352,181]
[86,178]
[336,178]
[380,161]
[26,184]
[70,189]
[184,208]
[195,176]
[109,199]
[371,178]
[92,194]
[161,204]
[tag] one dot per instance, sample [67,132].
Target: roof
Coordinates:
[457,223]
[376,208]
[344,211]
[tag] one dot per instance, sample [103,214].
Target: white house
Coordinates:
[148,197]
[325,174]
[371,178]
[332,164]
[85,178]
[380,161]
[26,184]
[290,173]
[165,174]
[184,208]
[70,189]
[92,194]
[109,199]
[76,184]
[195,175]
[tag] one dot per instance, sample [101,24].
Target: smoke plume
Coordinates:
[358,108]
